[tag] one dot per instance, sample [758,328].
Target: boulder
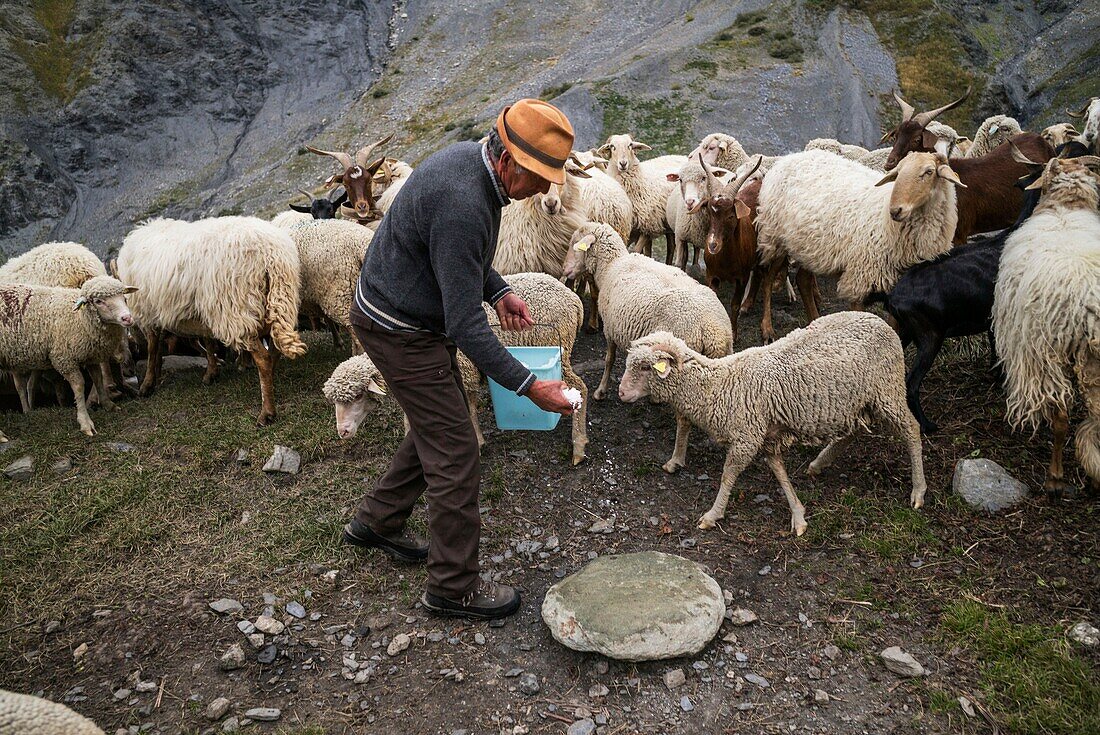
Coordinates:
[636,607]
[985,485]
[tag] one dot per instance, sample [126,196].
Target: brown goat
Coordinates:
[357,177]
[910,135]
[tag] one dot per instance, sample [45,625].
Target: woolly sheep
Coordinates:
[723,151]
[288,218]
[836,217]
[39,331]
[61,264]
[646,186]
[388,181]
[533,238]
[23,714]
[1045,315]
[639,296]
[832,145]
[233,279]
[818,384]
[356,385]
[991,133]
[602,198]
[330,253]
[1090,133]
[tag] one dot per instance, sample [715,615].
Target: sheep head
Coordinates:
[655,356]
[1058,134]
[712,146]
[577,258]
[910,135]
[555,200]
[355,388]
[357,177]
[106,296]
[621,152]
[915,180]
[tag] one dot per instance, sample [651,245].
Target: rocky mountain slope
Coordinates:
[118,110]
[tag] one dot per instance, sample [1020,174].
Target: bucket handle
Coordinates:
[561,347]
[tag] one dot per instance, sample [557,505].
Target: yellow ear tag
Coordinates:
[661,366]
[582,246]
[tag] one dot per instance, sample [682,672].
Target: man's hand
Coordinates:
[513,313]
[547,395]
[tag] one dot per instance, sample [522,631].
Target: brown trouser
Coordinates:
[439,456]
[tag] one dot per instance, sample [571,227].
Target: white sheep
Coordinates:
[61,264]
[991,133]
[534,238]
[724,151]
[832,145]
[288,218]
[330,253]
[602,199]
[1060,133]
[639,295]
[1046,314]
[24,714]
[686,209]
[233,279]
[646,185]
[1090,133]
[836,217]
[818,384]
[388,181]
[39,331]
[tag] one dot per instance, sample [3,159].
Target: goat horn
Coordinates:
[309,196]
[907,110]
[708,176]
[1081,112]
[923,118]
[343,158]
[736,186]
[1019,157]
[362,156]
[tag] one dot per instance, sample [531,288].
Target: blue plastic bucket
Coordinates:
[518,412]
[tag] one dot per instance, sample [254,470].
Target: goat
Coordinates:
[357,177]
[911,136]
[322,207]
[1091,133]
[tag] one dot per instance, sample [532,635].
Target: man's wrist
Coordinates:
[526,385]
[499,295]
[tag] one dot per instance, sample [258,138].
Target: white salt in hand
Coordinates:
[573,396]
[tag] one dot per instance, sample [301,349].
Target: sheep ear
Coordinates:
[994,128]
[741,208]
[723,145]
[1037,184]
[945,172]
[638,146]
[888,177]
[672,177]
[580,173]
[373,387]
[80,303]
[662,368]
[129,289]
[604,149]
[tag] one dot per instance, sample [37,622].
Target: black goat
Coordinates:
[321,207]
[952,296]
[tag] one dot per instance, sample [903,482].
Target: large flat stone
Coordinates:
[636,607]
[985,485]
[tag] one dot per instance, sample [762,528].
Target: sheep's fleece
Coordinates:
[22,714]
[61,264]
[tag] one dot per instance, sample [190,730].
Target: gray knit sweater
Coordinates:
[429,265]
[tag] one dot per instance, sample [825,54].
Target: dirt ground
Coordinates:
[128,551]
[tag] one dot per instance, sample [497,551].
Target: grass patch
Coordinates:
[703,65]
[556,91]
[59,66]
[664,123]
[1030,676]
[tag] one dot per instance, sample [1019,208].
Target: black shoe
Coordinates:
[402,547]
[489,600]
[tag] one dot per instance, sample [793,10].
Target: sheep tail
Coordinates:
[1087,440]
[283,300]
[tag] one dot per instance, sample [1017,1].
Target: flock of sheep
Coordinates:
[893,226]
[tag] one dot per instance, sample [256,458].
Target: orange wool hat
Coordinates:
[539,137]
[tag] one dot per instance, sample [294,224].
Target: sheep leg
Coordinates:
[695,256]
[76,382]
[608,361]
[806,286]
[928,346]
[21,389]
[212,367]
[680,252]
[1055,485]
[580,416]
[337,339]
[737,459]
[644,245]
[749,300]
[356,347]
[798,512]
[670,241]
[152,362]
[767,331]
[594,312]
[825,458]
[101,388]
[265,366]
[680,449]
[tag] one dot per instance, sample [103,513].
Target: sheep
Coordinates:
[638,296]
[388,180]
[356,383]
[233,279]
[357,176]
[24,714]
[60,264]
[39,331]
[1056,135]
[844,150]
[817,384]
[602,199]
[992,132]
[1045,316]
[836,217]
[647,187]
[875,159]
[721,151]
[1090,134]
[686,209]
[330,253]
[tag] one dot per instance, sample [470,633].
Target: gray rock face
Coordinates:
[901,663]
[985,485]
[233,658]
[636,607]
[283,459]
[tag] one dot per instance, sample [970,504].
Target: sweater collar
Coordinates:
[498,186]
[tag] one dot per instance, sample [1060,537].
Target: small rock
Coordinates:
[233,658]
[675,678]
[80,651]
[602,526]
[231,725]
[813,672]
[602,667]
[597,690]
[283,459]
[901,663]
[765,570]
[821,696]
[269,625]
[121,447]
[582,727]
[1085,634]
[685,704]
[987,486]
[742,616]
[295,609]
[529,684]
[122,695]
[225,606]
[688,543]
[830,652]
[241,456]
[146,687]
[263,714]
[757,680]
[217,709]
[21,469]
[513,672]
[52,627]
[479,639]
[399,643]
[256,640]
[267,654]
[61,466]
[967,707]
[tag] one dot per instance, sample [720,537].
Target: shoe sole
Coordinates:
[387,550]
[450,612]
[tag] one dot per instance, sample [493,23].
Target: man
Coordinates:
[419,297]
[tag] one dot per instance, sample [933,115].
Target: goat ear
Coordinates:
[893,174]
[300,208]
[741,208]
[371,169]
[334,179]
[946,172]
[639,146]
[928,140]
[375,388]
[672,177]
